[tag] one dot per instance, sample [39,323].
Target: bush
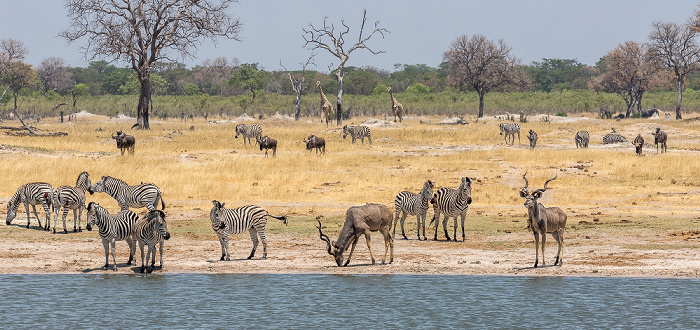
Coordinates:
[561,114]
[417,89]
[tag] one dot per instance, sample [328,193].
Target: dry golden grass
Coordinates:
[194,167]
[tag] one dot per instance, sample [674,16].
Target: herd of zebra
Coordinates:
[582,138]
[250,132]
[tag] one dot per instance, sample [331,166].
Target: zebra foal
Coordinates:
[34,193]
[532,137]
[112,228]
[581,139]
[613,138]
[149,230]
[357,132]
[452,203]
[71,198]
[510,129]
[145,194]
[235,221]
[407,202]
[249,132]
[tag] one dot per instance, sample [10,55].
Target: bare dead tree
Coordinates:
[298,83]
[675,46]
[326,38]
[55,75]
[141,32]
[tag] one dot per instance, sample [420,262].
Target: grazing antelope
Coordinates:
[660,138]
[543,220]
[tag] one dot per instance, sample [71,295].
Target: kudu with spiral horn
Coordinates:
[361,220]
[543,220]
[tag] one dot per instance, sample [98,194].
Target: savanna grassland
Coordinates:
[628,215]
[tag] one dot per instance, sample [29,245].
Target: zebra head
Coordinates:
[502,127]
[92,210]
[346,131]
[427,191]
[161,227]
[239,129]
[215,215]
[466,188]
[531,198]
[83,181]
[11,213]
[99,186]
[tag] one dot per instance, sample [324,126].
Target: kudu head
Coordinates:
[531,198]
[333,248]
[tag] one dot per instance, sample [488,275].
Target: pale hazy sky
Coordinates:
[421,31]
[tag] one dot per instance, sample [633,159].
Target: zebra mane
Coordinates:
[152,214]
[14,202]
[119,181]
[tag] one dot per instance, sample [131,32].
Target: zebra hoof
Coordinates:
[143,269]
[149,270]
[222,258]
[404,237]
[27,226]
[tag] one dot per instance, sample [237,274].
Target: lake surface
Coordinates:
[293,301]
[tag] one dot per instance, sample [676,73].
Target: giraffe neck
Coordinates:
[323,96]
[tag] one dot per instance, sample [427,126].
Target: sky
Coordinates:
[420,31]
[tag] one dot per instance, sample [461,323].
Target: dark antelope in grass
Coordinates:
[543,220]
[315,142]
[125,142]
[360,220]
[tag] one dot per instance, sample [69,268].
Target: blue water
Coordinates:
[244,301]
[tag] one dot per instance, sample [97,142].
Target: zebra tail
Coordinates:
[162,202]
[283,218]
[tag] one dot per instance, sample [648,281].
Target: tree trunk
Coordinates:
[144,97]
[339,109]
[481,103]
[681,87]
[297,106]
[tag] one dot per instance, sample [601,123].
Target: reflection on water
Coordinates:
[345,301]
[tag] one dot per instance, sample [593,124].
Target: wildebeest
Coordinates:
[125,142]
[266,143]
[660,138]
[315,142]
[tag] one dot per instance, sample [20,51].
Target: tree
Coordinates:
[248,76]
[629,72]
[141,32]
[675,46]
[212,75]
[553,74]
[55,75]
[482,65]
[298,83]
[325,38]
[11,51]
[80,90]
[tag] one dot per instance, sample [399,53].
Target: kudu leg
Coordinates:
[559,237]
[369,247]
[544,240]
[352,249]
[537,249]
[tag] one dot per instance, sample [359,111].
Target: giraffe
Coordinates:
[326,107]
[396,107]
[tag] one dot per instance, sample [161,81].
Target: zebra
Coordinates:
[249,132]
[112,228]
[613,138]
[451,202]
[638,144]
[144,194]
[33,194]
[357,132]
[510,130]
[72,198]
[151,229]
[407,202]
[582,139]
[532,136]
[660,137]
[234,221]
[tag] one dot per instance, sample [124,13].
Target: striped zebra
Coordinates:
[407,202]
[582,139]
[145,194]
[452,203]
[357,132]
[235,221]
[151,229]
[249,132]
[638,144]
[510,130]
[613,138]
[71,198]
[112,228]
[532,136]
[33,194]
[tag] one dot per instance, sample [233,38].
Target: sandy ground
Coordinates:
[587,253]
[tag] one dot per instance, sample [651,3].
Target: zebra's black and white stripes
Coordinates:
[358,132]
[252,132]
[510,129]
[151,229]
[613,138]
[145,194]
[226,222]
[452,203]
[582,139]
[407,202]
[71,198]
[34,193]
[113,228]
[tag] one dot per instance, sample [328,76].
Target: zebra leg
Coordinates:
[105,243]
[65,213]
[48,216]
[26,207]
[55,219]
[132,249]
[403,220]
[35,214]
[161,253]
[369,138]
[113,243]
[75,220]
[396,216]
[454,236]
[254,238]
[463,216]
[264,241]
[80,218]
[151,252]
[436,218]
[422,224]
[143,266]
[444,226]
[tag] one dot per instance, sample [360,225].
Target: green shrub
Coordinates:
[561,114]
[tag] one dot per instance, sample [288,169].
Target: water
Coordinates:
[245,301]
